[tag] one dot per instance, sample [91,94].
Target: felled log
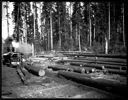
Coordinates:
[76,63]
[35,70]
[113,86]
[56,67]
[111,63]
[72,74]
[111,69]
[103,66]
[6,96]
[87,65]
[90,61]
[60,67]
[25,73]
[123,56]
[115,71]
[21,75]
[82,69]
[98,66]
[103,59]
[74,60]
[72,68]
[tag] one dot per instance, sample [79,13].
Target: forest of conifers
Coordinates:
[74,26]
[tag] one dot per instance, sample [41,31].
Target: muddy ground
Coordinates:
[48,86]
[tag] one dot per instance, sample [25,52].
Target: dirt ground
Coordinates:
[48,86]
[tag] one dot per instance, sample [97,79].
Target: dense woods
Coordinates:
[77,26]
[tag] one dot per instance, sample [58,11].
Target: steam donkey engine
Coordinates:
[12,58]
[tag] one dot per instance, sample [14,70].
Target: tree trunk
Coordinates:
[71,28]
[107,38]
[18,23]
[90,26]
[40,21]
[24,31]
[32,49]
[79,39]
[123,27]
[76,33]
[64,19]
[106,45]
[109,23]
[94,28]
[59,32]
[71,37]
[51,30]
[48,38]
[25,26]
[34,30]
[114,20]
[7,18]
[25,23]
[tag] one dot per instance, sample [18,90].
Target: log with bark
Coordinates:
[87,65]
[111,86]
[123,56]
[116,71]
[34,70]
[94,62]
[26,74]
[109,68]
[21,75]
[82,69]
[56,67]
[98,66]
[118,60]
[72,68]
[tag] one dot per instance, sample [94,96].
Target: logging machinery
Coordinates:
[12,59]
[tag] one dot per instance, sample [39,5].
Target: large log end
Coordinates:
[41,73]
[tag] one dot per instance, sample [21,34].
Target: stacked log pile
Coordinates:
[116,64]
[108,64]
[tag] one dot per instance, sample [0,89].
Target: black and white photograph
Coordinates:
[63,49]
